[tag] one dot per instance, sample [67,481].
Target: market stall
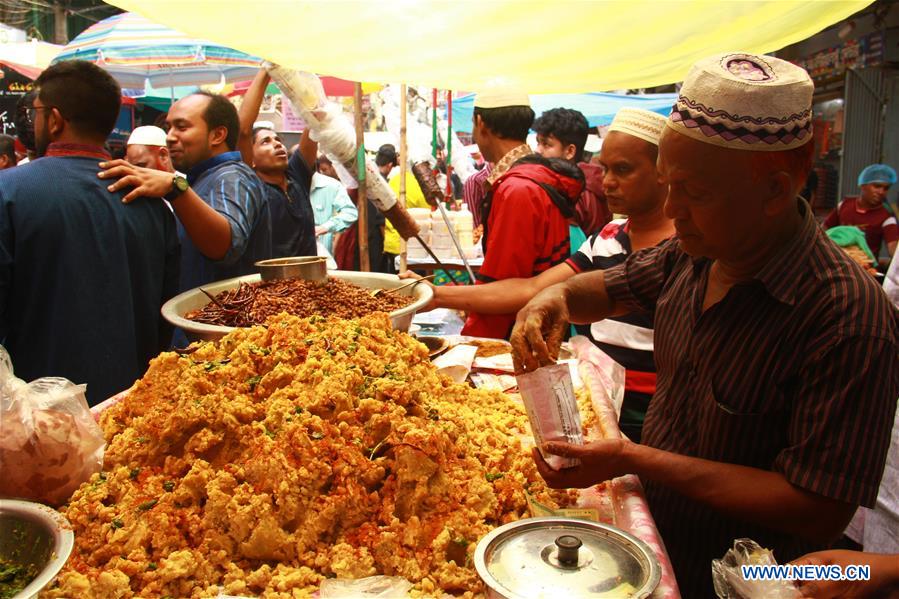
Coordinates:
[310,451]
[472,432]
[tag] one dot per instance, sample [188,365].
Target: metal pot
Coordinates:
[565,557]
[311,268]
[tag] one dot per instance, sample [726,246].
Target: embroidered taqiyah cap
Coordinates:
[148,135]
[644,124]
[747,102]
[501,95]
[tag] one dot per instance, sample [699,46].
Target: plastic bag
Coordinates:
[728,577]
[551,406]
[383,587]
[49,441]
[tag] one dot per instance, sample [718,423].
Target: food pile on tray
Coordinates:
[299,451]
[254,303]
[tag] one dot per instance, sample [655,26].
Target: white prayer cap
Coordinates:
[148,135]
[747,102]
[264,125]
[645,124]
[501,95]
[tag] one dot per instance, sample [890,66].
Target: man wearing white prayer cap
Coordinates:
[628,156]
[528,203]
[775,353]
[147,148]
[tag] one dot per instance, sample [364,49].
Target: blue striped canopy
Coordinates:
[133,49]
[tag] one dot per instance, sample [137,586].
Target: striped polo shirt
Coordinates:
[626,339]
[792,372]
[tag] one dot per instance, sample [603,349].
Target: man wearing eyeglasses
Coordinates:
[82,275]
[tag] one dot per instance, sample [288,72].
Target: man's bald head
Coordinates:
[145,156]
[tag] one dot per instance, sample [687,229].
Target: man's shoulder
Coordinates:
[231,171]
[41,177]
[846,297]
[525,177]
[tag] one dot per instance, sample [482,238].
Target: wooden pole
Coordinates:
[404,159]
[451,197]
[362,199]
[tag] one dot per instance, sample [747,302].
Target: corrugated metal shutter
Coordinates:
[863,129]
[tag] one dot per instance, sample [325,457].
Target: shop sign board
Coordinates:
[866,51]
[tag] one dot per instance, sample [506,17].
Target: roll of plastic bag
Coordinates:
[50,443]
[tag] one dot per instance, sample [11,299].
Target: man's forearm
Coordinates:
[505,296]
[252,102]
[751,494]
[249,111]
[207,229]
[499,297]
[587,298]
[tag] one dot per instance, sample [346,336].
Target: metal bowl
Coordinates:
[311,268]
[175,309]
[32,534]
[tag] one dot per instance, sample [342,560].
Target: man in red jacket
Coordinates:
[529,201]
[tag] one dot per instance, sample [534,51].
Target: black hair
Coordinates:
[25,129]
[8,147]
[85,95]
[567,125]
[508,122]
[256,131]
[220,112]
[386,155]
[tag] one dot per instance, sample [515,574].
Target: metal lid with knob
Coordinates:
[556,557]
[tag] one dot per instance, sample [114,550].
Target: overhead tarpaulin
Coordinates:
[544,46]
[599,108]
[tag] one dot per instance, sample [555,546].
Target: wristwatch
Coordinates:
[179,186]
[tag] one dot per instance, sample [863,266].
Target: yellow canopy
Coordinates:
[543,46]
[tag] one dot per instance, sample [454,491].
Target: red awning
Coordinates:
[30,72]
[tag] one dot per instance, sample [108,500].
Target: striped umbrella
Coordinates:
[133,49]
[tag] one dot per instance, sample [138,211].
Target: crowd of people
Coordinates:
[761,380]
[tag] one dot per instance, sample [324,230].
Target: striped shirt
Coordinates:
[232,189]
[793,372]
[626,339]
[473,191]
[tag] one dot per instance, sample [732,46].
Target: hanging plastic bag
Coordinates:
[727,574]
[49,441]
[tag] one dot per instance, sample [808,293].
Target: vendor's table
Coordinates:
[428,264]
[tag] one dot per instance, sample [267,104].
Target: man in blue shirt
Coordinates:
[224,220]
[286,179]
[82,275]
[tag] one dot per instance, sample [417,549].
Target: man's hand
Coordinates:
[600,461]
[147,182]
[539,329]
[883,583]
[320,230]
[431,305]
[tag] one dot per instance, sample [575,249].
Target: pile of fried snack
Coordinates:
[289,453]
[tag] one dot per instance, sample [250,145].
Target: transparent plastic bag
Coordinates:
[49,441]
[380,587]
[729,582]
